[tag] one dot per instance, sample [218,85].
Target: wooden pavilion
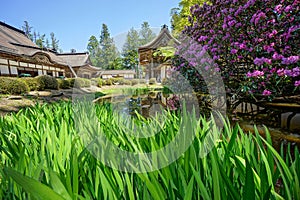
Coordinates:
[156,66]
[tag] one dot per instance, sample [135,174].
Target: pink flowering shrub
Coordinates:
[254,43]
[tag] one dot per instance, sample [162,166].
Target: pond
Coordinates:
[150,103]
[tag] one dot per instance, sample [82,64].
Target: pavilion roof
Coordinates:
[163,39]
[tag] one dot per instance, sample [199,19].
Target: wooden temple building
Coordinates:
[81,64]
[156,66]
[19,55]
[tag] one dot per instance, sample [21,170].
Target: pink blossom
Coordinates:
[277,56]
[288,8]
[297,83]
[280,72]
[274,32]
[262,60]
[290,60]
[266,93]
[233,51]
[278,8]
[295,72]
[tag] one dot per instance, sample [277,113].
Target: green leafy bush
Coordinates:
[87,82]
[13,86]
[134,81]
[108,82]
[32,83]
[152,81]
[100,82]
[127,82]
[47,82]
[142,81]
[63,83]
[80,82]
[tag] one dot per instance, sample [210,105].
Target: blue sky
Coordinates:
[73,22]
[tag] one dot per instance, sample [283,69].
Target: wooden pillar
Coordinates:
[8,65]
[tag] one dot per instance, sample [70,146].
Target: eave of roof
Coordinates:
[151,45]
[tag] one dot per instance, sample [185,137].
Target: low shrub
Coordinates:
[142,81]
[32,83]
[127,82]
[63,83]
[94,81]
[108,82]
[80,82]
[134,81]
[13,86]
[152,81]
[47,82]
[100,82]
[87,82]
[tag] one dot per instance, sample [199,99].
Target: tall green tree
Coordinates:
[93,49]
[130,49]
[108,51]
[27,29]
[40,40]
[146,34]
[54,42]
[47,43]
[180,15]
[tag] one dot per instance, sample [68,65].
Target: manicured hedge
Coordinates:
[134,81]
[63,83]
[79,82]
[32,83]
[47,82]
[13,86]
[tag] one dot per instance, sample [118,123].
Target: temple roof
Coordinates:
[75,59]
[163,39]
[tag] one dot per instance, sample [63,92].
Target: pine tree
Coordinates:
[40,40]
[54,42]
[146,34]
[108,52]
[93,49]
[27,29]
[130,49]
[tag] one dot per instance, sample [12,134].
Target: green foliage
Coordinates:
[152,81]
[93,48]
[130,49]
[42,153]
[134,81]
[108,51]
[99,82]
[32,83]
[146,34]
[13,86]
[79,82]
[63,83]
[108,81]
[54,42]
[46,82]
[179,16]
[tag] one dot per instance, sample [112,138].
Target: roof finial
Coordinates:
[164,26]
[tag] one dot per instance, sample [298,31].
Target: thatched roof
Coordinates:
[75,59]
